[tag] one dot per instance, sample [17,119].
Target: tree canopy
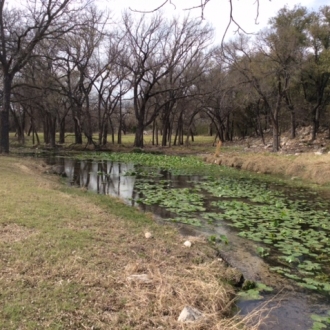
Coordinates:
[66,66]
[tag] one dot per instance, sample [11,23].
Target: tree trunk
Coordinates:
[139,135]
[112,131]
[169,140]
[105,134]
[88,123]
[4,143]
[50,130]
[77,125]
[261,131]
[176,136]
[62,131]
[35,133]
[120,122]
[46,129]
[154,133]
[52,136]
[227,129]
[276,143]
[20,124]
[211,130]
[180,130]
[166,125]
[293,124]
[316,122]
[33,130]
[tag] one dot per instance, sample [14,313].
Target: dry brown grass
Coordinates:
[66,258]
[307,166]
[218,149]
[13,233]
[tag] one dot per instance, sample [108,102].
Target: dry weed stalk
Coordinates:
[217,149]
[254,320]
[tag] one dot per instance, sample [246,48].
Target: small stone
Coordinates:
[190,314]
[187,244]
[148,235]
[143,278]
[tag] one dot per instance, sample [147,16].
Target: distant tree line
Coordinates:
[68,68]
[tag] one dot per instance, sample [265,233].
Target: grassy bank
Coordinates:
[308,167]
[67,257]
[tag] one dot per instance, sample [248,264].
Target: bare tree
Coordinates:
[21,30]
[78,68]
[157,48]
[111,86]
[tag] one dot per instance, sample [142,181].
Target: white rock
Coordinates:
[144,278]
[318,153]
[190,314]
[187,244]
[148,235]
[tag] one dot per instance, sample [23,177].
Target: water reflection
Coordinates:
[118,180]
[107,178]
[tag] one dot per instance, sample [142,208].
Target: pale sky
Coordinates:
[217,11]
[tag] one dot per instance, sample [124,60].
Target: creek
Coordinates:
[274,234]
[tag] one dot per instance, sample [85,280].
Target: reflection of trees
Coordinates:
[104,177]
[108,178]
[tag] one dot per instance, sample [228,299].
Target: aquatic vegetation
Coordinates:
[291,226]
[176,164]
[320,322]
[214,239]
[254,291]
[263,251]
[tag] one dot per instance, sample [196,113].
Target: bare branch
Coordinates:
[257,16]
[201,6]
[232,20]
[154,10]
